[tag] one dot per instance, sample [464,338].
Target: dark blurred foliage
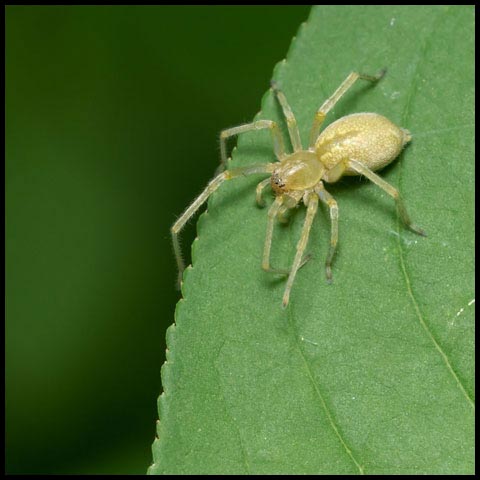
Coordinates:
[112,122]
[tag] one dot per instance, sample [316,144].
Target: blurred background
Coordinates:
[112,122]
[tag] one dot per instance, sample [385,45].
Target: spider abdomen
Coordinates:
[368,138]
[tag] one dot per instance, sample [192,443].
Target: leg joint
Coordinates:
[260,124]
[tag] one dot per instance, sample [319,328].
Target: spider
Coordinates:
[356,144]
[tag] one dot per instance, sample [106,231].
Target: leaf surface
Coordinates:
[374,373]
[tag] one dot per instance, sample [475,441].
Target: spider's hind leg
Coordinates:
[392,191]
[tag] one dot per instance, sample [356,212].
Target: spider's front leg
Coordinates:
[259,192]
[274,212]
[312,205]
[202,198]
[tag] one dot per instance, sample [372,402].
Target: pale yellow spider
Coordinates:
[357,144]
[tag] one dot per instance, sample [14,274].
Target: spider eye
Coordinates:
[278,184]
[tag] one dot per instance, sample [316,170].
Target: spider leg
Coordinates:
[331,203]
[393,192]
[277,208]
[289,116]
[198,202]
[277,139]
[272,214]
[312,205]
[260,187]
[283,214]
[331,101]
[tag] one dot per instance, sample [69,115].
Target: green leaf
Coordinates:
[374,373]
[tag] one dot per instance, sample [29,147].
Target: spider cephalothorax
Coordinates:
[298,171]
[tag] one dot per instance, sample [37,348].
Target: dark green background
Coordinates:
[112,122]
